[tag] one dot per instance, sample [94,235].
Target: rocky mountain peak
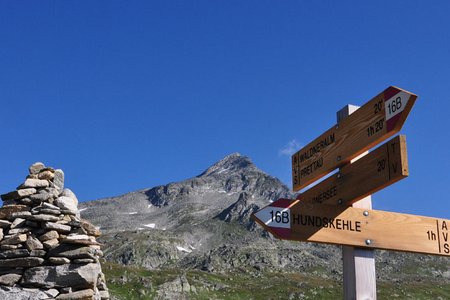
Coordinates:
[230,163]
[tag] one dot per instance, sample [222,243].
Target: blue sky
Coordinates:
[125,95]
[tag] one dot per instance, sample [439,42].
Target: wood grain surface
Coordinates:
[374,122]
[378,169]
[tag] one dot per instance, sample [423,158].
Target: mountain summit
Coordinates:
[177,204]
[230,163]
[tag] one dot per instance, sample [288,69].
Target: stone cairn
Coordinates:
[46,250]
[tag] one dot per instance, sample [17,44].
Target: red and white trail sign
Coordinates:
[277,216]
[305,221]
[374,122]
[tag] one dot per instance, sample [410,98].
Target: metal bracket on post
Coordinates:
[358,264]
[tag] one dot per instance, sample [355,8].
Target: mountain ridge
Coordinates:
[215,189]
[202,224]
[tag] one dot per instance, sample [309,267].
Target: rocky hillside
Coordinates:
[203,225]
[232,184]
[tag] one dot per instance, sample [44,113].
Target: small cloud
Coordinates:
[290,148]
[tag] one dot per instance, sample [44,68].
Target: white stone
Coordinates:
[36,167]
[77,237]
[34,183]
[58,180]
[67,203]
[68,193]
[183,249]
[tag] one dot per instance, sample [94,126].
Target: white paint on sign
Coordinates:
[275,216]
[396,104]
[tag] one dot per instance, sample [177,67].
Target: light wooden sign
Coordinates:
[322,223]
[377,120]
[382,167]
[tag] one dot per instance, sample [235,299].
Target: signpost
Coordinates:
[338,209]
[358,264]
[374,122]
[312,222]
[382,167]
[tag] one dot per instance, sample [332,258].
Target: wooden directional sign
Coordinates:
[382,167]
[322,223]
[377,120]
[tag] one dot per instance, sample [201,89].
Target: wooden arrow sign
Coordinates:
[321,223]
[382,167]
[375,121]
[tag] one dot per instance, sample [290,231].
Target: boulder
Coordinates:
[73,251]
[15,239]
[67,203]
[58,227]
[14,253]
[8,247]
[20,214]
[7,211]
[21,262]
[59,260]
[17,293]
[68,193]
[89,228]
[50,244]
[75,276]
[80,239]
[36,167]
[10,279]
[34,183]
[42,196]
[49,206]
[47,211]
[17,222]
[18,230]
[43,218]
[25,201]
[104,295]
[5,224]
[33,243]
[46,174]
[18,194]
[78,295]
[49,235]
[38,253]
[58,180]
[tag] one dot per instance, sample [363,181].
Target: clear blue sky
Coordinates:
[125,95]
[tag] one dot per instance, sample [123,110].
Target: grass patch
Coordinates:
[128,282]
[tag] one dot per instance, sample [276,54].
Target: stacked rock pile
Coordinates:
[46,250]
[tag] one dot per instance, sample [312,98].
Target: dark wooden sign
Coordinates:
[378,169]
